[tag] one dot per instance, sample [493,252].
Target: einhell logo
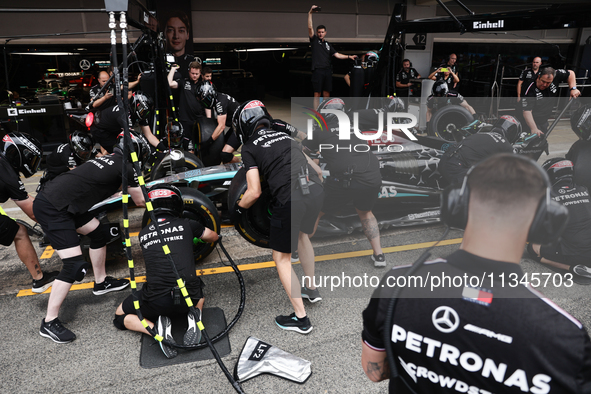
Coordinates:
[488,25]
[32,111]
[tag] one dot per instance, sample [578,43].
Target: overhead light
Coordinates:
[265,49]
[46,53]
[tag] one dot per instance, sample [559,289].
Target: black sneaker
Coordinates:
[40,285]
[312,295]
[379,260]
[55,331]
[293,323]
[163,328]
[581,274]
[295,257]
[110,284]
[193,334]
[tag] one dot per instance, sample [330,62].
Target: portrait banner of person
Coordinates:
[174,19]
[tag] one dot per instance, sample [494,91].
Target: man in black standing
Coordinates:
[189,107]
[403,78]
[528,75]
[107,98]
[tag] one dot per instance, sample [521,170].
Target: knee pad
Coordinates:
[99,237]
[227,157]
[74,269]
[119,322]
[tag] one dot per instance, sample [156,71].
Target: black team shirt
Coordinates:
[322,52]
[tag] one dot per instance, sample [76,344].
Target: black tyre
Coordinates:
[210,153]
[200,208]
[162,169]
[448,119]
[255,224]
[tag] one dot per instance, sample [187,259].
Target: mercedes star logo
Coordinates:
[445,319]
[84,64]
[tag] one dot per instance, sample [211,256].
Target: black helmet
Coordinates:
[207,94]
[440,88]
[248,117]
[142,105]
[82,145]
[332,103]
[509,127]
[559,169]
[22,151]
[166,199]
[139,143]
[174,130]
[580,122]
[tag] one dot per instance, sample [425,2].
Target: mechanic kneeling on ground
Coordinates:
[491,339]
[19,152]
[580,152]
[296,199]
[160,297]
[572,253]
[62,210]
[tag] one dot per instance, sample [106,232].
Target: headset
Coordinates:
[407,60]
[549,220]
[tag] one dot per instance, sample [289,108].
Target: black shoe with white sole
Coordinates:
[110,284]
[55,331]
[40,285]
[164,329]
[294,323]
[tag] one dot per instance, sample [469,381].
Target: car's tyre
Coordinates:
[449,119]
[254,224]
[209,152]
[163,168]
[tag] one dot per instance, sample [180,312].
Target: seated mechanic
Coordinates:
[572,253]
[160,296]
[62,210]
[175,138]
[490,339]
[442,96]
[580,152]
[19,152]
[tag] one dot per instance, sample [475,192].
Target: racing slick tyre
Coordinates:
[200,208]
[210,151]
[255,223]
[447,120]
[163,169]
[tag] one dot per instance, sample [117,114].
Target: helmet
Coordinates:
[372,56]
[440,88]
[580,122]
[22,151]
[139,143]
[207,94]
[174,130]
[509,127]
[142,105]
[394,104]
[333,103]
[248,117]
[559,169]
[82,145]
[166,199]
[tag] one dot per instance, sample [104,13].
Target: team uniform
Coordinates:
[502,339]
[528,76]
[190,109]
[580,154]
[404,77]
[280,161]
[183,62]
[227,105]
[11,187]
[459,158]
[108,125]
[451,98]
[537,101]
[94,95]
[322,51]
[57,162]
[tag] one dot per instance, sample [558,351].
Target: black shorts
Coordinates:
[160,306]
[322,80]
[553,252]
[8,230]
[59,226]
[338,196]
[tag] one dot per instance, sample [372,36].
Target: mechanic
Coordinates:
[450,63]
[536,102]
[178,31]
[403,77]
[223,106]
[447,75]
[460,157]
[572,253]
[190,109]
[19,152]
[107,98]
[160,297]
[354,176]
[296,199]
[207,74]
[367,59]
[176,136]
[79,149]
[108,124]
[490,339]
[580,152]
[322,51]
[62,210]
[441,96]
[528,75]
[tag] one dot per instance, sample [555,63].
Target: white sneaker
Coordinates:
[379,261]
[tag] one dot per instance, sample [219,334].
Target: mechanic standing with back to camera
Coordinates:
[494,337]
[296,199]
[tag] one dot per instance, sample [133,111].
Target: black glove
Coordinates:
[161,146]
[237,212]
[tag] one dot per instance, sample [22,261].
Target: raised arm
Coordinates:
[310,23]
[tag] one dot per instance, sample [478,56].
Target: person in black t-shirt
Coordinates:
[322,51]
[528,75]
[472,336]
[536,103]
[157,295]
[296,199]
[403,78]
[572,252]
[442,95]
[62,210]
[106,99]
[189,107]
[19,152]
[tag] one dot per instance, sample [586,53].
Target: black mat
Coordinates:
[214,320]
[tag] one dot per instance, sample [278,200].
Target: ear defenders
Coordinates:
[549,220]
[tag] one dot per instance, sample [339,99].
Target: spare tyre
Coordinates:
[449,119]
[209,152]
[199,208]
[255,223]
[167,167]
